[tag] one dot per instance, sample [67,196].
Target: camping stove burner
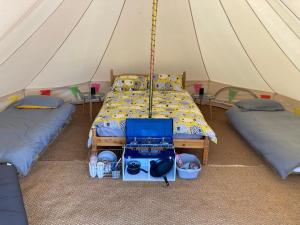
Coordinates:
[149,142]
[148,151]
[151,152]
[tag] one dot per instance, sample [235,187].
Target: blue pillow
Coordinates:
[259,105]
[40,101]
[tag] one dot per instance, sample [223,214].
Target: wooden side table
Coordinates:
[205,98]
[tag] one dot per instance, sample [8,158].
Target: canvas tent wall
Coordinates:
[57,43]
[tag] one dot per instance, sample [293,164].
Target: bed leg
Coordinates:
[205,151]
[94,150]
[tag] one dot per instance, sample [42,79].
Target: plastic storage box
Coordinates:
[188,173]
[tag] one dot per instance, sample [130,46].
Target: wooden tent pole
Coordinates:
[152,53]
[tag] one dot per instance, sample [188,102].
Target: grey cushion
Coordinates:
[259,105]
[12,210]
[41,100]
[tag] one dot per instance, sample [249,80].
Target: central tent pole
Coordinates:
[152,52]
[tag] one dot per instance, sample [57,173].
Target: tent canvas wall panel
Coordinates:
[57,43]
[129,49]
[286,15]
[223,55]
[293,6]
[77,60]
[176,42]
[270,60]
[11,41]
[282,34]
[14,12]
[29,60]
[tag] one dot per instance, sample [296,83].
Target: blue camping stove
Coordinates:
[149,153]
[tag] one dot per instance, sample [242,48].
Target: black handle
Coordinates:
[144,170]
[166,180]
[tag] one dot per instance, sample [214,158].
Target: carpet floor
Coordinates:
[237,187]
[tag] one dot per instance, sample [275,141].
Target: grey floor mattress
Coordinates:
[24,133]
[12,211]
[275,135]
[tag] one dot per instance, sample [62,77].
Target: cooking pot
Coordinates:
[160,168]
[134,167]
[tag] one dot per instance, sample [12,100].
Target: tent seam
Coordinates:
[252,62]
[291,61]
[21,19]
[198,43]
[31,35]
[59,47]
[108,43]
[289,9]
[268,2]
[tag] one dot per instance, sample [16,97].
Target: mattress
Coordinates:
[24,133]
[274,135]
[12,211]
[179,105]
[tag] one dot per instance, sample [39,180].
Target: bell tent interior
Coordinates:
[201,94]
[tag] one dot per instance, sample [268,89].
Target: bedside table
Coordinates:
[87,97]
[199,99]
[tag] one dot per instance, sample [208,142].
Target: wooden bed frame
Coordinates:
[202,143]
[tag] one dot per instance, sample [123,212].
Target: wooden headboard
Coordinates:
[113,77]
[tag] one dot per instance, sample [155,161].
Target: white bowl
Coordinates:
[107,155]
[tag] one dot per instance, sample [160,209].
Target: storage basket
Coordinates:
[188,173]
[110,169]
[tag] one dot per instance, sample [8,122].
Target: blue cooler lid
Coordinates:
[150,128]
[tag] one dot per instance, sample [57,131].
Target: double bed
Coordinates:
[190,127]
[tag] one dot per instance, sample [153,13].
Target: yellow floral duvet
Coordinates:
[178,105]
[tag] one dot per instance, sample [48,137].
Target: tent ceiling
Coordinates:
[247,43]
[293,6]
[14,13]
[177,47]
[26,63]
[20,33]
[129,48]
[285,14]
[83,49]
[224,56]
[267,55]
